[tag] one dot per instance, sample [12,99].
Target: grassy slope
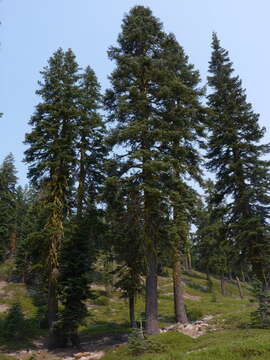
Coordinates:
[232,341]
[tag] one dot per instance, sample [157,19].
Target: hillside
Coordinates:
[226,325]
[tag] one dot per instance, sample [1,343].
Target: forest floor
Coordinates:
[220,325]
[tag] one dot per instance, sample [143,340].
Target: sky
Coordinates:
[32,30]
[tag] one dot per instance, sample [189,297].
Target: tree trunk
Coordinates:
[243,276]
[81,185]
[239,288]
[222,285]
[189,261]
[209,282]
[179,306]
[132,312]
[13,243]
[151,305]
[52,314]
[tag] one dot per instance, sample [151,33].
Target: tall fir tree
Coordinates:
[183,114]
[52,158]
[151,103]
[235,154]
[79,248]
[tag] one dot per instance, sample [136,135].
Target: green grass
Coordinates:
[6,357]
[233,339]
[221,345]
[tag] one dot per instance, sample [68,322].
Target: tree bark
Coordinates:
[13,243]
[151,306]
[239,288]
[179,306]
[222,285]
[189,261]
[209,282]
[243,276]
[52,314]
[133,324]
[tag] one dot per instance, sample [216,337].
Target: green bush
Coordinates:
[261,316]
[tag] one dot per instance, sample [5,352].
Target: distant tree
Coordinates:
[124,234]
[31,239]
[8,181]
[212,242]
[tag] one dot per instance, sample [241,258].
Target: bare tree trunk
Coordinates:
[222,286]
[151,305]
[13,243]
[209,282]
[243,276]
[239,288]
[185,263]
[132,312]
[179,306]
[189,261]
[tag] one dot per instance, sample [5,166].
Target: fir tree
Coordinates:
[52,158]
[151,103]
[235,155]
[131,102]
[213,245]
[77,259]
[91,147]
[124,234]
[8,182]
[183,115]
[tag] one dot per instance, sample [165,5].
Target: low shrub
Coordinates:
[138,344]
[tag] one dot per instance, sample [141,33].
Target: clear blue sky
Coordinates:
[33,29]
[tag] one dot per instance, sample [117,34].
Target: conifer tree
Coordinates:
[79,248]
[183,115]
[8,182]
[51,157]
[92,150]
[212,241]
[131,102]
[235,155]
[151,103]
[124,233]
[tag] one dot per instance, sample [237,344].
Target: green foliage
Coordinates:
[155,112]
[8,219]
[138,344]
[261,316]
[194,314]
[102,300]
[235,154]
[14,323]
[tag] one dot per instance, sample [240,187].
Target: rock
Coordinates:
[89,355]
[81,354]
[97,355]
[194,329]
